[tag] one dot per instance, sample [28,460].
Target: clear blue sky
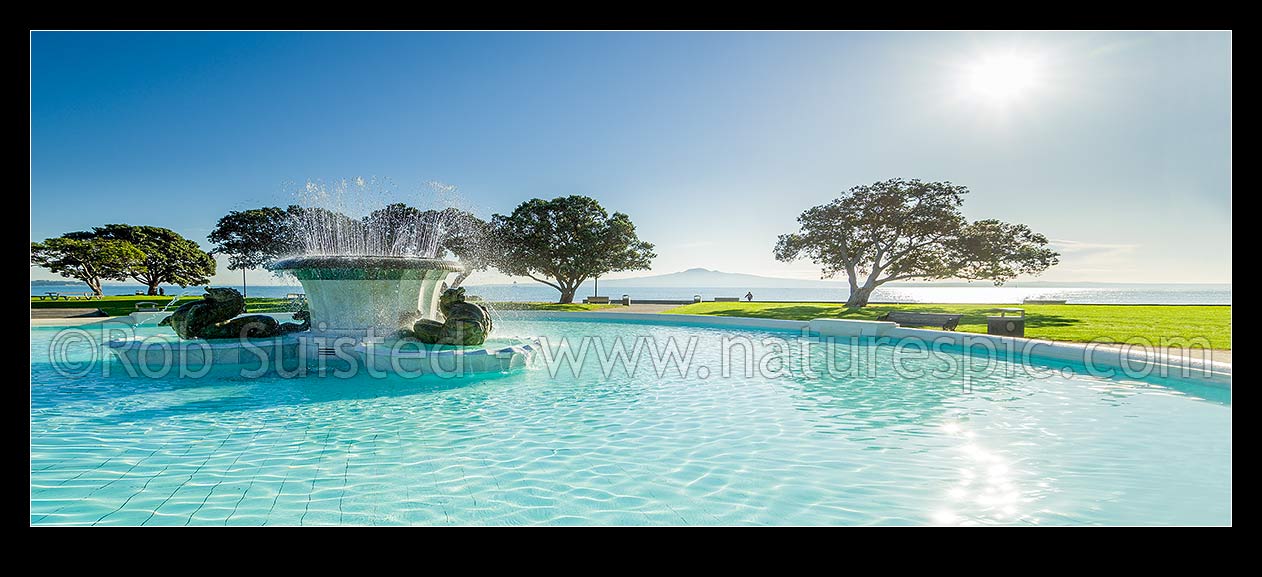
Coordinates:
[1116,145]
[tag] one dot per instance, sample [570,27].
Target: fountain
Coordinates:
[375,292]
[351,295]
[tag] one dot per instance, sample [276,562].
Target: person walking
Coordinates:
[749,296]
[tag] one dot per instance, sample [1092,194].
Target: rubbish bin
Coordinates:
[626,300]
[1004,325]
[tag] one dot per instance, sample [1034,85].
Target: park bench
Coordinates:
[727,299]
[596,301]
[948,322]
[147,307]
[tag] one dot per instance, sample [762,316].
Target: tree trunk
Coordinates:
[859,296]
[95,285]
[567,294]
[153,289]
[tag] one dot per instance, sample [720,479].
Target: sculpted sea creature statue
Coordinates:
[216,317]
[464,323]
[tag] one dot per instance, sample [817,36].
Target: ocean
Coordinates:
[1164,294]
[1130,294]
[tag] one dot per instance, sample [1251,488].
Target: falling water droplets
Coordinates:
[364,217]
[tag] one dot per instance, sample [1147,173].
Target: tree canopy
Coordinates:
[398,229]
[564,241]
[908,229]
[255,237]
[90,260]
[167,257]
[469,239]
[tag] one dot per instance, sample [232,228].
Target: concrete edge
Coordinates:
[1213,372]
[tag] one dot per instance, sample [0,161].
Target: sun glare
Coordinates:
[1001,78]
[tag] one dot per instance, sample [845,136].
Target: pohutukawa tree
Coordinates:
[168,257]
[469,239]
[89,260]
[253,238]
[564,241]
[408,230]
[397,229]
[908,229]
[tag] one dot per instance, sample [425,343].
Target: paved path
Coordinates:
[78,321]
[66,313]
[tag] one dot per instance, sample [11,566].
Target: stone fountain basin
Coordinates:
[348,295]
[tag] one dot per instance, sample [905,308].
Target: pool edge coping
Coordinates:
[1219,373]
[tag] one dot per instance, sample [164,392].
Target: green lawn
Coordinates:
[1080,323]
[123,305]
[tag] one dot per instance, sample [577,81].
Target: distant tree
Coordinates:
[468,238]
[253,238]
[567,239]
[168,257]
[90,260]
[403,229]
[908,229]
[398,229]
[318,230]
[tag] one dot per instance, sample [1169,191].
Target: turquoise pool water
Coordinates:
[976,446]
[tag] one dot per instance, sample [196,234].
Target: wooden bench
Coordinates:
[596,301]
[948,322]
[727,299]
[147,307]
